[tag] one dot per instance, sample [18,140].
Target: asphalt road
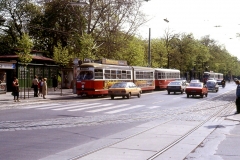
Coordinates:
[38,130]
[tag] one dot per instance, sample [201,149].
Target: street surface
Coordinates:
[80,127]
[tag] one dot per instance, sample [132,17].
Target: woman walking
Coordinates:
[15,89]
[44,88]
[40,82]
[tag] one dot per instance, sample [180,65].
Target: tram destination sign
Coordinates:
[115,62]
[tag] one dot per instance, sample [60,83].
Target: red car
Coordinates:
[197,88]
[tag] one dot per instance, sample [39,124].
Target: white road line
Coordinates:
[59,106]
[108,108]
[124,109]
[79,109]
[153,107]
[41,106]
[85,105]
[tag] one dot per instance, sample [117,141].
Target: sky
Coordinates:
[199,17]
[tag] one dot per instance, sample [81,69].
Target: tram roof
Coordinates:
[99,65]
[167,70]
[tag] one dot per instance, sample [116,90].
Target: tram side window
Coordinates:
[113,74]
[119,74]
[98,73]
[128,74]
[107,74]
[124,75]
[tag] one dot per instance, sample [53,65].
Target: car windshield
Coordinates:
[195,84]
[174,83]
[119,85]
[210,83]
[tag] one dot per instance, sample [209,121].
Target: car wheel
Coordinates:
[187,95]
[128,96]
[139,95]
[112,97]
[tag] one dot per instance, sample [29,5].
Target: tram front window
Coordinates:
[85,75]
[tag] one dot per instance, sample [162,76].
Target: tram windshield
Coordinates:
[85,75]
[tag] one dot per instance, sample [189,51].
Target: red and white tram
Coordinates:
[94,79]
[164,76]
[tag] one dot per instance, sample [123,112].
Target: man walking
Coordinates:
[35,86]
[238,97]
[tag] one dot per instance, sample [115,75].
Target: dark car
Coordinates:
[212,85]
[197,88]
[123,89]
[176,86]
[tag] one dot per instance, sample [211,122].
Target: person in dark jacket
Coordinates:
[15,90]
[54,82]
[35,86]
[238,96]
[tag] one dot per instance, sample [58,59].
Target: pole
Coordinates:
[24,80]
[149,47]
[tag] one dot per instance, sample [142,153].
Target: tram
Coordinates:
[164,76]
[212,75]
[94,79]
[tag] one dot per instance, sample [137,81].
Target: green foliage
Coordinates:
[24,47]
[133,53]
[84,45]
[61,55]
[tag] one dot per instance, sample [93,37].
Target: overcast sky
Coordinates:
[198,17]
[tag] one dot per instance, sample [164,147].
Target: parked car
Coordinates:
[212,85]
[197,88]
[123,89]
[176,86]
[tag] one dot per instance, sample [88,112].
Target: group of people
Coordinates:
[39,86]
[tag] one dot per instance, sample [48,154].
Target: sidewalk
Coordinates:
[29,96]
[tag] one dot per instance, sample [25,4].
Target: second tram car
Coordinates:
[164,76]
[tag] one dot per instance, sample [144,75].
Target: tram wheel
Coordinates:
[112,97]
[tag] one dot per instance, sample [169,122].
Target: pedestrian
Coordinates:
[44,88]
[237,97]
[54,82]
[40,83]
[15,86]
[35,86]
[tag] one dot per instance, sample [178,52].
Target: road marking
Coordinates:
[59,106]
[79,109]
[108,108]
[40,106]
[125,109]
[153,107]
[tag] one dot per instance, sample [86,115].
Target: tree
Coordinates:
[24,48]
[61,55]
